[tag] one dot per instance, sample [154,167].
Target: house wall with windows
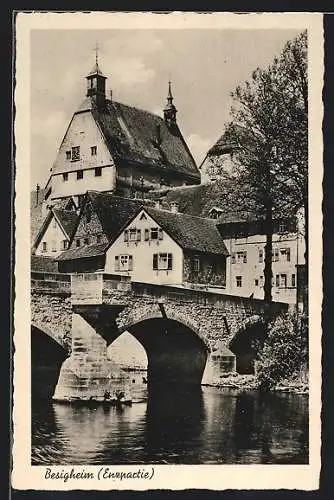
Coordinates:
[53,242]
[146,252]
[245,265]
[83,161]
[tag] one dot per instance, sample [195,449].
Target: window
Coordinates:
[275,255]
[283,281]
[86,241]
[142,217]
[281,227]
[285,254]
[54,224]
[77,242]
[277,280]
[260,255]
[65,244]
[197,265]
[98,172]
[239,257]
[132,234]
[162,261]
[65,176]
[93,150]
[68,155]
[293,280]
[76,153]
[99,238]
[261,281]
[154,233]
[80,174]
[54,246]
[238,281]
[256,282]
[123,263]
[44,246]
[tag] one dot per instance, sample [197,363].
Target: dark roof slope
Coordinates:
[112,211]
[191,233]
[131,135]
[68,220]
[199,200]
[36,213]
[83,252]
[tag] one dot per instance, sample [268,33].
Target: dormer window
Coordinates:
[93,150]
[76,153]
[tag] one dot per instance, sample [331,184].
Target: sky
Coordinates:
[204,66]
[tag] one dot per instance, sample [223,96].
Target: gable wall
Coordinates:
[142,253]
[84,132]
[54,238]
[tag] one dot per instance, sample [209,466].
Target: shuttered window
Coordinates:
[147,234]
[116,263]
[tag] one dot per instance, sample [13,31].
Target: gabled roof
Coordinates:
[191,233]
[131,135]
[113,212]
[67,221]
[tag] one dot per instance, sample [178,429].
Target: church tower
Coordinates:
[96,84]
[170,110]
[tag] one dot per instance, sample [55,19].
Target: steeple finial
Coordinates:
[96,50]
[170,110]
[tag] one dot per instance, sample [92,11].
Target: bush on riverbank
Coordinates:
[283,359]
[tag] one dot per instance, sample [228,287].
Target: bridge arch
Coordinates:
[175,346]
[139,315]
[47,357]
[247,342]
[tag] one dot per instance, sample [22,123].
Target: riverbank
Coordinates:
[250,382]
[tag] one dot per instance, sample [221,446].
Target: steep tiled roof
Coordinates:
[131,136]
[83,252]
[191,233]
[68,220]
[112,211]
[36,213]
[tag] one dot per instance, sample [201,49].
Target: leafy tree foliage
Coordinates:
[269,129]
[285,350]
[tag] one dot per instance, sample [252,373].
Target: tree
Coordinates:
[269,128]
[285,351]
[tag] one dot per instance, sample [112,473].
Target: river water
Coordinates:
[205,426]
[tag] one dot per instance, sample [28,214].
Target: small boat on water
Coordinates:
[119,398]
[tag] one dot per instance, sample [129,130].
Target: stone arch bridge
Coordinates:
[189,335]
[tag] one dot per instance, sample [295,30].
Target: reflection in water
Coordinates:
[207,425]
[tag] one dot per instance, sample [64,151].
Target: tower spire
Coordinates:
[170,110]
[96,81]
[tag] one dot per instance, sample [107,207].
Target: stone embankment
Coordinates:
[249,382]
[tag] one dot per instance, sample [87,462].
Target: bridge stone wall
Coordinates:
[214,318]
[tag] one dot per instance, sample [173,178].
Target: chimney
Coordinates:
[174,207]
